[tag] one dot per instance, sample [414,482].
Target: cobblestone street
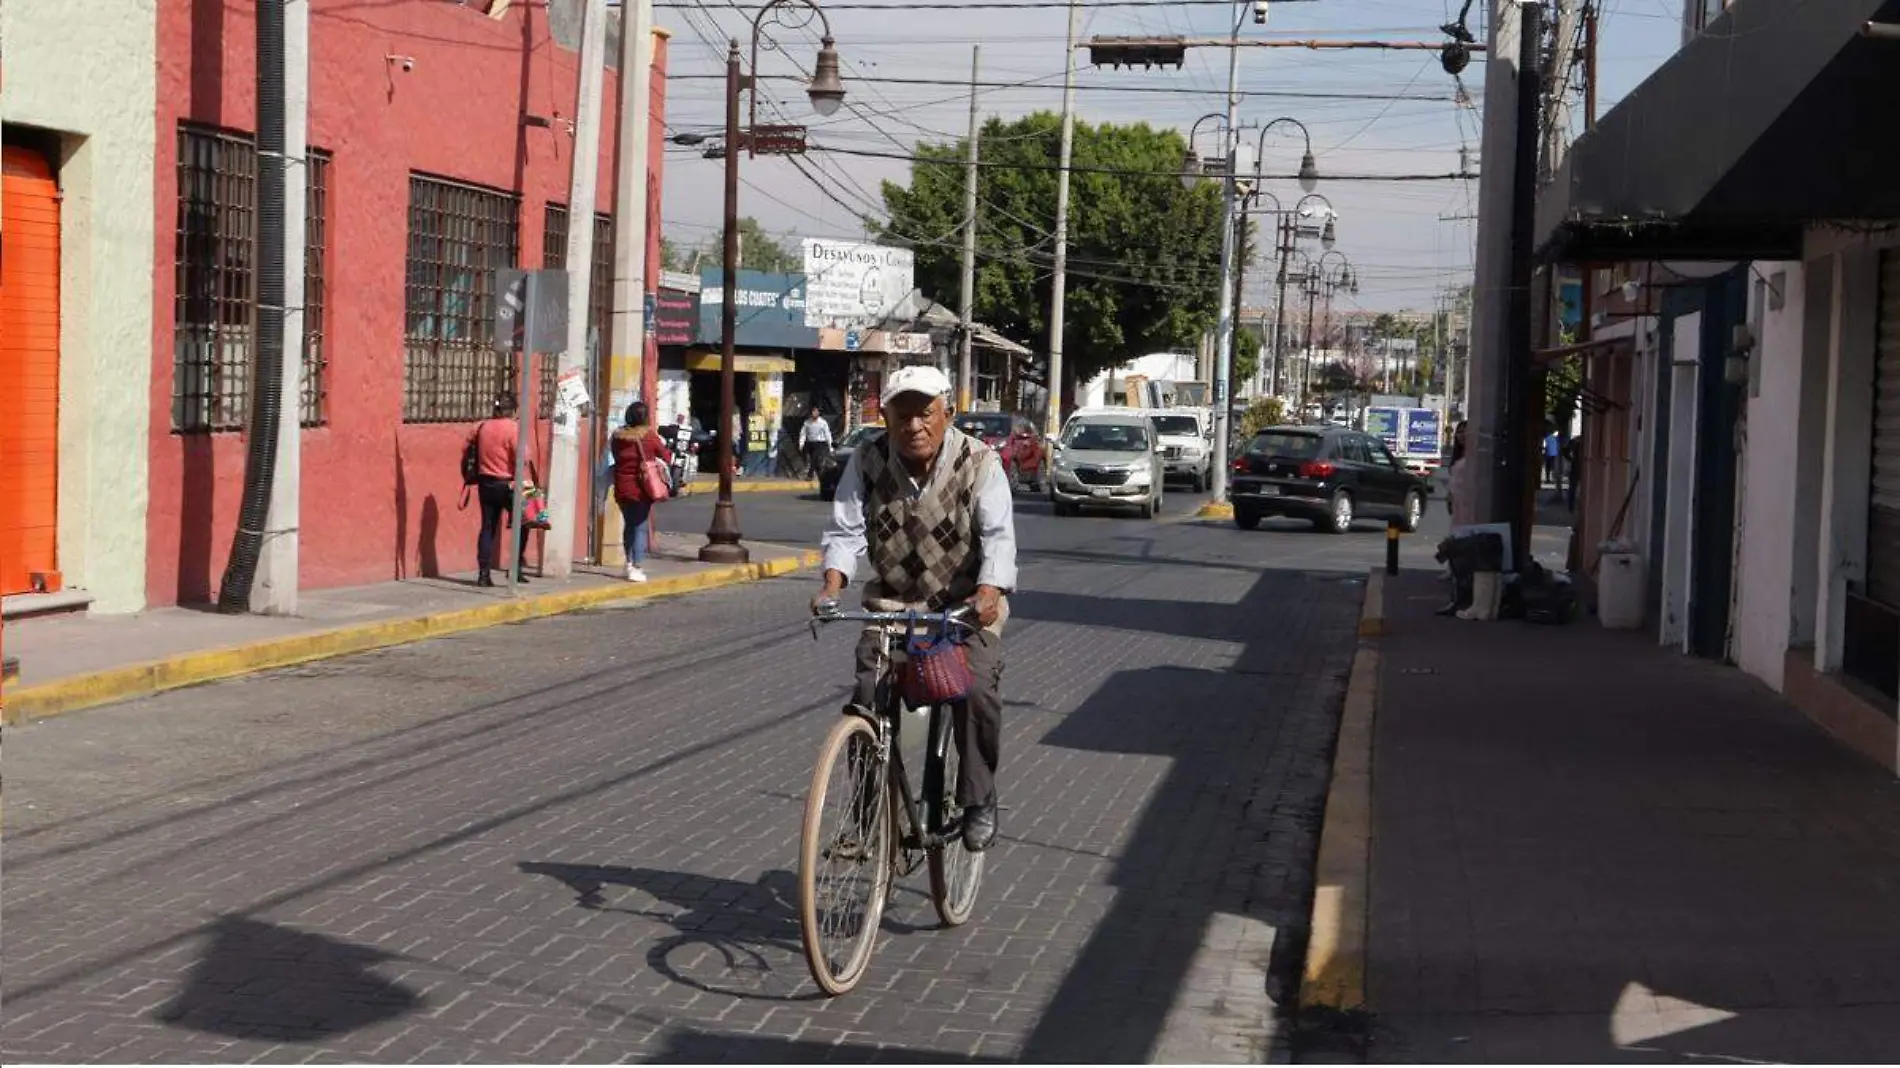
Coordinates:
[575,839]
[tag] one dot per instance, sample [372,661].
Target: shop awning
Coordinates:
[1776,115]
[747,363]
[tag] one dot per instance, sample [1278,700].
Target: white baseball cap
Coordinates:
[922,379]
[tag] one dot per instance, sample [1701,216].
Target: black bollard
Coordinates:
[1391,546]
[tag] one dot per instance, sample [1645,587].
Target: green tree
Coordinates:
[1144,251]
[1261,414]
[758,251]
[671,258]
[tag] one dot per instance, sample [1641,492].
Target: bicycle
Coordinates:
[867,745]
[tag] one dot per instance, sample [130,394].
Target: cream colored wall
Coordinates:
[87,69]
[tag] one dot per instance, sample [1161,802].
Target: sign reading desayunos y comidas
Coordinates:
[851,283]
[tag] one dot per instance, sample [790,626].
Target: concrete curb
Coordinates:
[1372,613]
[1335,973]
[189,669]
[708,486]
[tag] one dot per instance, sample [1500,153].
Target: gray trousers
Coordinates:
[978,720]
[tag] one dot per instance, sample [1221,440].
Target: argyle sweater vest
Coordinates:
[924,552]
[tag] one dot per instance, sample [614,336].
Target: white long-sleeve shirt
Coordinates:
[995,517]
[817,431]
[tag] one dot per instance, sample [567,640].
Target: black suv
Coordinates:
[1328,474]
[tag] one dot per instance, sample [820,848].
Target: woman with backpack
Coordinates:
[641,463]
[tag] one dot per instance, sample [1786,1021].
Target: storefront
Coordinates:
[769,333]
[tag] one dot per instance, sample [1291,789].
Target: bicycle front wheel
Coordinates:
[955,872]
[844,870]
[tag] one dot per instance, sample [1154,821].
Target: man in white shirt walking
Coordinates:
[815,440]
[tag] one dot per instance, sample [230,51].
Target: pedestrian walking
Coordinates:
[1458,474]
[816,440]
[1553,448]
[493,448]
[640,460]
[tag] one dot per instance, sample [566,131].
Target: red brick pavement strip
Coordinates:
[1590,849]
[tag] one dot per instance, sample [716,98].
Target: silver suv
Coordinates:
[1107,460]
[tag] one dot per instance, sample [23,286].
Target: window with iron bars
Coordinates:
[459,236]
[600,288]
[215,260]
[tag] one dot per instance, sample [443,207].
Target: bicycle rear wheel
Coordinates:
[955,872]
[844,869]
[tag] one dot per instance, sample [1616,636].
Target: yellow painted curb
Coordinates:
[1335,974]
[708,486]
[1215,510]
[190,669]
[1372,612]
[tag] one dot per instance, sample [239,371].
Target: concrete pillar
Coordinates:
[1847,463]
[1813,287]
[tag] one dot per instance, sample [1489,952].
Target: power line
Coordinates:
[1040,82]
[1002,5]
[1076,169]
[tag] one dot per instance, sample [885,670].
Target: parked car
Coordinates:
[1015,440]
[840,454]
[1107,459]
[1330,475]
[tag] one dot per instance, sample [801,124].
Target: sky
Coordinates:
[1406,242]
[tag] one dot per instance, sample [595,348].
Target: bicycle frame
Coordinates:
[924,827]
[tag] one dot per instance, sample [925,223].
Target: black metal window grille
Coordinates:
[312,408]
[215,263]
[216,241]
[600,288]
[459,236]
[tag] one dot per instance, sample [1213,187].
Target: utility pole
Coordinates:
[1285,240]
[630,375]
[275,589]
[1520,405]
[1492,297]
[1052,421]
[1557,106]
[1223,344]
[966,371]
[261,572]
[1240,271]
[557,558]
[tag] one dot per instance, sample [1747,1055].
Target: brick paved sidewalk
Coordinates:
[55,648]
[1586,848]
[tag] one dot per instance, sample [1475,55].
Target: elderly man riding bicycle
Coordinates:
[930,508]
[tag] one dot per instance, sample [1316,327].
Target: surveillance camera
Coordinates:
[1259,12]
[408,63]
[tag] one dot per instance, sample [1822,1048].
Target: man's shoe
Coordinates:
[979,827]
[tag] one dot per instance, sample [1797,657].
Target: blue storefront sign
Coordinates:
[771,310]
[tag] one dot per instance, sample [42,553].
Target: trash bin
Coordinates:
[1620,591]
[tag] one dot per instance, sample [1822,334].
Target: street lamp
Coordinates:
[1309,167]
[826,92]
[1194,170]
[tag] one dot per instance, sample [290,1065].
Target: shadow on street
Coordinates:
[261,981]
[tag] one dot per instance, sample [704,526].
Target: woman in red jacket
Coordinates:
[634,447]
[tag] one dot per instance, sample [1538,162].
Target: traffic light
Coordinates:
[1137,51]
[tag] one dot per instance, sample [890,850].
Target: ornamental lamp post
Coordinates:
[826,92]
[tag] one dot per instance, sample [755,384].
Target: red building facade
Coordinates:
[441,150]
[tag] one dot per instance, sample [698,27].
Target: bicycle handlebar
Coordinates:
[962,616]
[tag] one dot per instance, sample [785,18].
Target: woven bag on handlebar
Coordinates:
[936,670]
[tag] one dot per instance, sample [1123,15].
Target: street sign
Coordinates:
[776,140]
[853,341]
[531,310]
[652,313]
